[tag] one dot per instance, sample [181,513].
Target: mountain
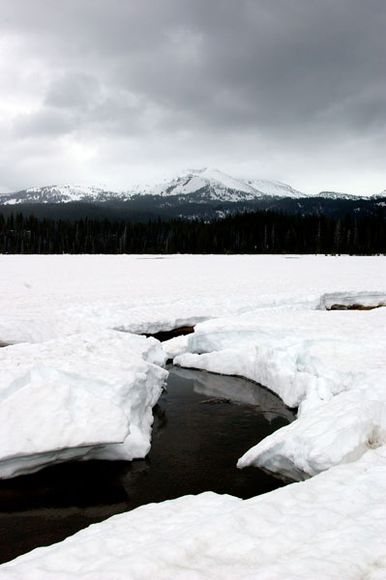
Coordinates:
[195,194]
[194,185]
[214,185]
[61,194]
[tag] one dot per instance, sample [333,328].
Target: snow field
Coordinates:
[261,317]
[47,297]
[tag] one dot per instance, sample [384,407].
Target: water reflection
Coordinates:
[238,390]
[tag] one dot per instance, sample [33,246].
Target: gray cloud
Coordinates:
[291,89]
[76,91]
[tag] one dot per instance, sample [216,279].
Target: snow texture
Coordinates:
[330,527]
[81,397]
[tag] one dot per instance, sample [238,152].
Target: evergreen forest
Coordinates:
[256,233]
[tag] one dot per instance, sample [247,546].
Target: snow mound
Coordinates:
[81,397]
[332,526]
[331,366]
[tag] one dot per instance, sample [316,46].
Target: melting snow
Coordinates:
[263,317]
[331,365]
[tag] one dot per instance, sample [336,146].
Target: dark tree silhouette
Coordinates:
[258,232]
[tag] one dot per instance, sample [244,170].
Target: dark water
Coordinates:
[203,424]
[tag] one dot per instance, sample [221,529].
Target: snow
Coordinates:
[63,194]
[275,188]
[210,183]
[332,527]
[330,364]
[276,330]
[351,300]
[175,346]
[339,431]
[47,297]
[219,186]
[79,386]
[222,187]
[340,195]
[80,397]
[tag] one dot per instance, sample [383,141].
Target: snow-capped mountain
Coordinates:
[194,194]
[194,185]
[61,194]
[215,185]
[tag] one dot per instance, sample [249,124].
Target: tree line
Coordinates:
[257,232]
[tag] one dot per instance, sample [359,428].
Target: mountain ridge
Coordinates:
[195,194]
[198,185]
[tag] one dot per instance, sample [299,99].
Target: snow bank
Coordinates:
[339,431]
[81,397]
[331,365]
[332,526]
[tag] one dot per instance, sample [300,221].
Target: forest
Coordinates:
[256,233]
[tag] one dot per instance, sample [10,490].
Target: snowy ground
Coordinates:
[43,297]
[263,317]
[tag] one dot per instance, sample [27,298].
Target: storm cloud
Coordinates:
[119,91]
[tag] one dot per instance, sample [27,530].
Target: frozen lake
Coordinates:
[76,382]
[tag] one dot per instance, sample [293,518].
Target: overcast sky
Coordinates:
[117,92]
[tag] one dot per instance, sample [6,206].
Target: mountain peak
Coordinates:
[213,184]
